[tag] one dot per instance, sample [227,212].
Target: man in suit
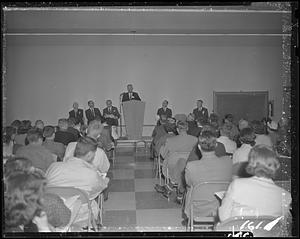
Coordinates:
[164,110]
[111,114]
[130,95]
[209,168]
[93,113]
[77,114]
[201,113]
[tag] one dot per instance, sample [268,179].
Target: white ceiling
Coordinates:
[124,21]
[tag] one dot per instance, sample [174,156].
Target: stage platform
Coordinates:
[123,142]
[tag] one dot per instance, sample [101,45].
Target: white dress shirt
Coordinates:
[241,154]
[263,139]
[230,145]
[100,161]
[254,196]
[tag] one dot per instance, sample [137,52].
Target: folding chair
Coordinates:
[202,197]
[67,192]
[100,212]
[261,226]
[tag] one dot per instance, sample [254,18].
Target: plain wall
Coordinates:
[44,78]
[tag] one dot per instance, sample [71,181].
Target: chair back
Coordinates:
[67,192]
[203,199]
[261,226]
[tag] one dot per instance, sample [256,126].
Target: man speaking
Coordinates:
[130,95]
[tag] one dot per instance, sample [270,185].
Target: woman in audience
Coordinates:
[226,138]
[20,138]
[240,156]
[8,141]
[39,125]
[260,132]
[23,202]
[257,195]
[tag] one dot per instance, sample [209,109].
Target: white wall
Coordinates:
[44,79]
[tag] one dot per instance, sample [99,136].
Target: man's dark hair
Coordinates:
[48,131]
[84,146]
[33,135]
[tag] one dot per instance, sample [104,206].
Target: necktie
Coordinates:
[130,95]
[109,110]
[93,112]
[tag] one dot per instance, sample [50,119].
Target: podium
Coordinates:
[133,112]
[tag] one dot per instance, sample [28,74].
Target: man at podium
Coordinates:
[130,95]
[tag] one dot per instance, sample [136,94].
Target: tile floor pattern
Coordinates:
[133,203]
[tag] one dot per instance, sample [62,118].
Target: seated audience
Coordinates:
[23,203]
[17,164]
[241,155]
[41,157]
[77,114]
[105,140]
[243,124]
[257,195]
[100,160]
[226,138]
[229,119]
[193,128]
[9,134]
[73,128]
[209,168]
[39,125]
[79,172]
[20,138]
[16,124]
[214,120]
[164,110]
[196,151]
[158,131]
[54,147]
[63,135]
[260,132]
[175,148]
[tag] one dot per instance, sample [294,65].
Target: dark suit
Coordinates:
[167,113]
[201,116]
[78,116]
[114,111]
[90,116]
[126,97]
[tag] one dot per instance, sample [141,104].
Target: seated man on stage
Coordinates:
[130,95]
[77,114]
[111,114]
[93,113]
[164,110]
[200,113]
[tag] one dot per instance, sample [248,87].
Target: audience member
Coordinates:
[260,132]
[111,114]
[272,130]
[39,125]
[49,143]
[63,135]
[241,155]
[130,95]
[176,148]
[9,134]
[193,128]
[201,113]
[16,124]
[226,138]
[77,114]
[17,164]
[41,157]
[164,110]
[209,168]
[20,138]
[257,195]
[73,128]
[100,160]
[92,113]
[79,172]
[243,124]
[23,202]
[158,131]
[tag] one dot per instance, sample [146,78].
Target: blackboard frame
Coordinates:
[264,107]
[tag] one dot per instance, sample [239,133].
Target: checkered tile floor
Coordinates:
[133,204]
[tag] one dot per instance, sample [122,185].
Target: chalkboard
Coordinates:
[247,105]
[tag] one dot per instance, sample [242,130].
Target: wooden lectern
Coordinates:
[134,118]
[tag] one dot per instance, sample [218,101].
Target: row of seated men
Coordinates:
[65,158]
[243,155]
